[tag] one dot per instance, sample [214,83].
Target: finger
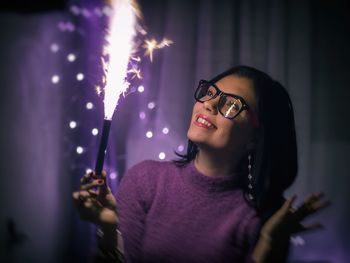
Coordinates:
[87,177]
[311,205]
[287,206]
[320,205]
[104,187]
[75,196]
[100,176]
[81,196]
[93,192]
[307,227]
[314,197]
[94,183]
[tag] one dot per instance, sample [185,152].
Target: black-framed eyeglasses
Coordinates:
[229,105]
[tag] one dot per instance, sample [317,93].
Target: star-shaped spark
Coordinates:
[136,73]
[151,45]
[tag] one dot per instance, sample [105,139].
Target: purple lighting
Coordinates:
[72,124]
[55,79]
[94,131]
[54,47]
[80,76]
[79,150]
[149,134]
[71,57]
[141,89]
[142,115]
[161,155]
[151,105]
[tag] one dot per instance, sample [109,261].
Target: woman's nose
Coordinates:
[211,105]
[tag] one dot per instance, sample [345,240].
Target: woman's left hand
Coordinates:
[273,243]
[287,221]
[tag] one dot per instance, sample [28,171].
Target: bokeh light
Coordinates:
[54,47]
[113,175]
[72,124]
[151,105]
[55,79]
[181,147]
[71,57]
[141,89]
[89,105]
[142,115]
[80,76]
[94,131]
[161,156]
[79,150]
[165,130]
[149,134]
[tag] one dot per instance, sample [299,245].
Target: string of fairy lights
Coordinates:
[85,133]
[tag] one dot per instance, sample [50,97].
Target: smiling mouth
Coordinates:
[203,122]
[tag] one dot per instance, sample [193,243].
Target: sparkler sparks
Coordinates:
[117,55]
[120,51]
[119,48]
[151,45]
[136,73]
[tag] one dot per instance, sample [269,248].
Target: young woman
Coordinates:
[223,200]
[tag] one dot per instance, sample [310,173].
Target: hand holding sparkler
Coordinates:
[95,201]
[96,204]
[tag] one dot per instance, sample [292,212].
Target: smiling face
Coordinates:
[211,131]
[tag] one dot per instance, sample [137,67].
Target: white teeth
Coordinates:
[203,121]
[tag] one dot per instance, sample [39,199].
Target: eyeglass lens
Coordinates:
[228,106]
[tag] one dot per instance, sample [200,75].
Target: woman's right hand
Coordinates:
[95,201]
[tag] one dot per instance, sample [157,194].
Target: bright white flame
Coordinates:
[55,79]
[122,29]
[161,155]
[72,124]
[149,134]
[71,57]
[80,76]
[94,131]
[89,105]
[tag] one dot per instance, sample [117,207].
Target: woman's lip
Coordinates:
[207,119]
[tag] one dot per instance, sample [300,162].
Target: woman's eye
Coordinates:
[209,93]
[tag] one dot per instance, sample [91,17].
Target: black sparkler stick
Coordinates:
[103,146]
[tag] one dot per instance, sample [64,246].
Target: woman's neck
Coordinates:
[211,164]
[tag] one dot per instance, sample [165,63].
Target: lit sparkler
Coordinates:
[119,48]
[118,52]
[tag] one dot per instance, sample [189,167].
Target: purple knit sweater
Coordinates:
[176,214]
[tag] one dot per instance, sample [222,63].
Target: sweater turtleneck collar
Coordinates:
[217,183]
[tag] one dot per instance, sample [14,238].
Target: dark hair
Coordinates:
[274,162]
